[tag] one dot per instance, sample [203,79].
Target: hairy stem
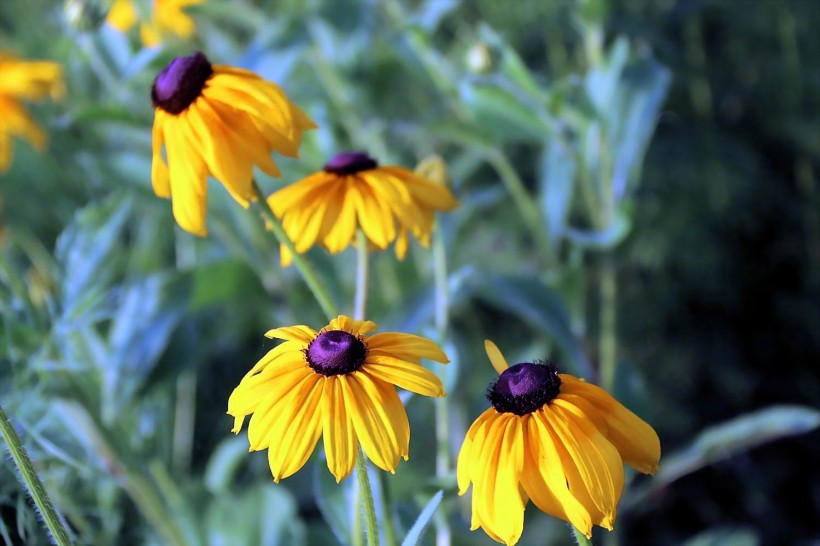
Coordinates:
[33,483]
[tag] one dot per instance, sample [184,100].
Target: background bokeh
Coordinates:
[633,175]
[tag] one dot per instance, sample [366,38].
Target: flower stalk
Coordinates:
[360,309]
[33,483]
[308,273]
[443,459]
[580,538]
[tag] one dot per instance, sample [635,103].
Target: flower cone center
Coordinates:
[336,352]
[350,163]
[525,387]
[180,83]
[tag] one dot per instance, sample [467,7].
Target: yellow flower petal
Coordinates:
[122,15]
[496,358]
[379,419]
[264,389]
[550,475]
[353,326]
[406,345]
[339,435]
[637,442]
[300,333]
[471,449]
[278,409]
[297,435]
[189,187]
[160,179]
[411,377]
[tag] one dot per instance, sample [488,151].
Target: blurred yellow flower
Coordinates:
[24,80]
[167,18]
[354,192]
[556,440]
[337,383]
[218,120]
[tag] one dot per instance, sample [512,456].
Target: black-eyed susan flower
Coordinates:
[353,192]
[19,81]
[217,120]
[338,383]
[165,19]
[556,440]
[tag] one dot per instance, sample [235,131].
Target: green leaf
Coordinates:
[557,187]
[336,501]
[416,532]
[728,439]
[538,304]
[605,239]
[223,464]
[725,537]
[503,115]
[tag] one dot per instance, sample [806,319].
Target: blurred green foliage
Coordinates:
[692,271]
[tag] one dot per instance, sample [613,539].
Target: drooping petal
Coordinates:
[496,358]
[637,442]
[277,409]
[339,436]
[189,187]
[471,449]
[549,476]
[264,388]
[294,438]
[587,455]
[160,179]
[379,419]
[498,496]
[408,376]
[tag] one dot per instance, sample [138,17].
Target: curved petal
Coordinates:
[589,456]
[296,436]
[408,376]
[636,440]
[496,358]
[398,344]
[189,188]
[343,231]
[379,229]
[293,196]
[276,408]
[549,476]
[378,418]
[339,437]
[351,325]
[497,503]
[264,388]
[287,351]
[470,451]
[159,170]
[300,333]
[435,196]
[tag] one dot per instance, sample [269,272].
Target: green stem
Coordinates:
[442,297]
[359,313]
[308,273]
[368,505]
[608,324]
[527,206]
[33,482]
[580,538]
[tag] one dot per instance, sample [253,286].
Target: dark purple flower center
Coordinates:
[350,163]
[180,83]
[335,352]
[525,387]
